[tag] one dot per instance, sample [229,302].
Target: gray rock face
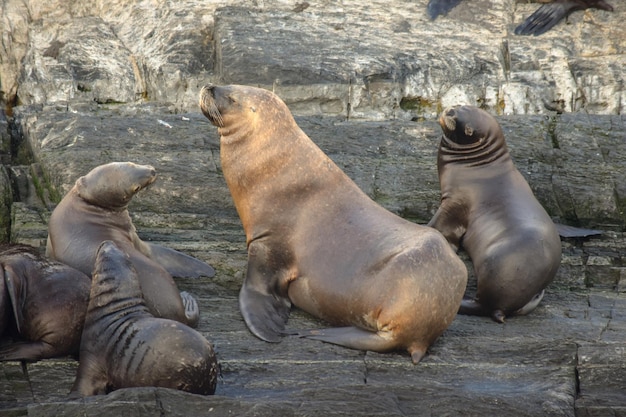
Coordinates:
[386,60]
[90,82]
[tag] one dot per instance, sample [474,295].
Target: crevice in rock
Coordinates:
[159,403]
[551,132]
[577,374]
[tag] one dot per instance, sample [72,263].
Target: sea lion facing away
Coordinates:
[123,345]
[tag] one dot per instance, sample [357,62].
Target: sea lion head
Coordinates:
[237,107]
[468,126]
[113,185]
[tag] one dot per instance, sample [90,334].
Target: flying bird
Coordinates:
[548,15]
[541,21]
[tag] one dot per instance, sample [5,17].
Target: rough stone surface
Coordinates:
[90,82]
[386,60]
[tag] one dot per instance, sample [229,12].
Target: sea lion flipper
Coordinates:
[89,381]
[25,351]
[351,337]
[571,231]
[13,286]
[544,18]
[471,307]
[265,314]
[179,264]
[192,312]
[440,7]
[446,222]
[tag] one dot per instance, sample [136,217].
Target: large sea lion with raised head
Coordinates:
[95,210]
[488,208]
[44,304]
[317,241]
[124,345]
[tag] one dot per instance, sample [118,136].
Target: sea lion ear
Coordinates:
[253,109]
[469,131]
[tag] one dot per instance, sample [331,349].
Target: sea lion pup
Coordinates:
[548,15]
[488,208]
[124,345]
[316,240]
[44,304]
[95,210]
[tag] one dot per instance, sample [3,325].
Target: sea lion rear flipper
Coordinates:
[192,312]
[571,231]
[355,338]
[14,288]
[179,264]
[544,18]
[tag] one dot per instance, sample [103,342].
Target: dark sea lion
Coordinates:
[124,345]
[488,208]
[95,210]
[44,302]
[440,7]
[548,15]
[317,241]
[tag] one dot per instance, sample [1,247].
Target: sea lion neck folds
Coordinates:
[122,296]
[471,138]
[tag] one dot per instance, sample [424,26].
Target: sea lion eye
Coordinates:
[136,188]
[253,109]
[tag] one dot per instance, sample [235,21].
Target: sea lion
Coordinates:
[123,345]
[488,208]
[548,15]
[96,209]
[46,303]
[316,240]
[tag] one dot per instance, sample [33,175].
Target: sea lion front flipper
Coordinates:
[177,263]
[192,312]
[571,231]
[90,379]
[545,18]
[449,220]
[439,7]
[263,304]
[14,288]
